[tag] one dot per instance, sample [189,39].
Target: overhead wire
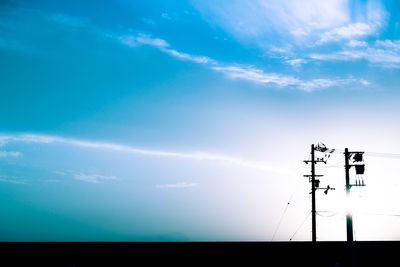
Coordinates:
[285,209]
[301,225]
[383,214]
[374,154]
[283,214]
[319,213]
[383,155]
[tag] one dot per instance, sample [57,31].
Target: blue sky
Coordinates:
[189,120]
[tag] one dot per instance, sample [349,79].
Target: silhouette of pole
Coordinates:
[349,217]
[313,213]
[314,186]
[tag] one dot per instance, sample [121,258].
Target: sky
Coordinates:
[190,120]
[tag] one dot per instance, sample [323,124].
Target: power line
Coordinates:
[383,155]
[283,214]
[374,154]
[300,226]
[327,216]
[383,214]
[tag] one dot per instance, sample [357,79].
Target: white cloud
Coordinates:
[381,57]
[383,53]
[165,16]
[260,77]
[235,71]
[188,57]
[177,185]
[256,75]
[301,23]
[368,18]
[353,30]
[299,32]
[327,83]
[163,46]
[142,39]
[295,62]
[200,156]
[365,82]
[388,44]
[12,180]
[8,154]
[357,43]
[259,18]
[280,50]
[93,178]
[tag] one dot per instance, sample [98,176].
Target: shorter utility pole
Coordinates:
[356,157]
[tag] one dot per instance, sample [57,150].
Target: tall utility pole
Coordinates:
[357,157]
[314,186]
[349,216]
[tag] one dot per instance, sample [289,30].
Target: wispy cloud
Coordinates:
[357,43]
[232,70]
[256,75]
[280,50]
[163,46]
[236,71]
[93,178]
[247,73]
[179,185]
[12,180]
[85,177]
[260,77]
[142,39]
[297,62]
[351,31]
[258,19]
[188,57]
[10,154]
[383,53]
[393,45]
[166,16]
[299,22]
[369,20]
[199,156]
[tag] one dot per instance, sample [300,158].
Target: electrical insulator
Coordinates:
[358,157]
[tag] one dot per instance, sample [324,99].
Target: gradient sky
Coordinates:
[190,120]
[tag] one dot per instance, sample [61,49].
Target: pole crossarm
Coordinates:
[315,161]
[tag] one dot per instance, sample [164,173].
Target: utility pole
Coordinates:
[349,216]
[313,212]
[357,157]
[314,186]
